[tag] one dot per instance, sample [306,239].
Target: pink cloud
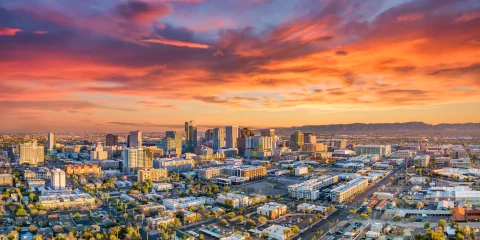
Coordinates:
[176,43]
[40,32]
[5,31]
[468,16]
[410,17]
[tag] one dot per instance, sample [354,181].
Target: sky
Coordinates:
[119,65]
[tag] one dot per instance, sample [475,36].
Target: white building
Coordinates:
[272,210]
[301,170]
[310,189]
[349,190]
[136,158]
[98,154]
[162,186]
[181,203]
[58,181]
[276,232]
[383,150]
[31,153]
[175,164]
[422,160]
[239,200]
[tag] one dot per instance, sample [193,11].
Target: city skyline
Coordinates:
[115,66]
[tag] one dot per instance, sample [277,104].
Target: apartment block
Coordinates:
[85,169]
[272,210]
[152,174]
[350,189]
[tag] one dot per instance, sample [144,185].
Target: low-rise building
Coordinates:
[66,200]
[272,210]
[208,173]
[182,203]
[152,174]
[349,190]
[301,170]
[239,200]
[461,163]
[6,180]
[310,188]
[277,232]
[422,160]
[83,169]
[162,221]
[162,186]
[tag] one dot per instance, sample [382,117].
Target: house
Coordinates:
[276,232]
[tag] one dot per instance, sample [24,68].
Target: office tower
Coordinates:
[57,179]
[309,138]
[135,139]
[340,144]
[208,135]
[267,132]
[218,138]
[190,135]
[51,141]
[173,143]
[231,133]
[297,141]
[99,153]
[136,158]
[111,140]
[31,153]
[246,132]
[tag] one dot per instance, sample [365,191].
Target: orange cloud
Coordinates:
[40,32]
[410,17]
[468,16]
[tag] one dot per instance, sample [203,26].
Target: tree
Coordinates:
[426,225]
[201,237]
[294,228]
[240,219]
[364,215]
[419,236]
[250,223]
[223,222]
[442,223]
[420,205]
[33,229]
[262,219]
[231,215]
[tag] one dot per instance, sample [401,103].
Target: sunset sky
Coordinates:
[113,65]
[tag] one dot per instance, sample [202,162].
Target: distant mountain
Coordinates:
[411,127]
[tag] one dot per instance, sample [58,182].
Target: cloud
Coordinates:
[410,17]
[468,16]
[5,31]
[141,12]
[341,53]
[176,43]
[40,32]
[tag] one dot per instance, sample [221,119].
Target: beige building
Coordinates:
[297,141]
[208,173]
[349,190]
[31,153]
[36,173]
[66,200]
[136,158]
[272,210]
[99,153]
[152,174]
[86,169]
[6,180]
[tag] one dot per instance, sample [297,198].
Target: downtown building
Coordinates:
[382,150]
[231,135]
[83,169]
[208,173]
[31,153]
[259,147]
[172,144]
[111,140]
[135,139]
[246,171]
[135,159]
[218,138]
[191,135]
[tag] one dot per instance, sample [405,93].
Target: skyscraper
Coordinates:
[246,132]
[111,140]
[135,159]
[173,143]
[267,132]
[218,138]
[31,153]
[297,140]
[208,135]
[51,141]
[135,139]
[231,136]
[190,135]
[309,138]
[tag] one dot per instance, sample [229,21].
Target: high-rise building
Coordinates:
[51,141]
[218,138]
[136,158]
[173,143]
[190,135]
[296,141]
[267,132]
[31,153]
[57,179]
[98,154]
[209,135]
[111,140]
[309,138]
[231,133]
[246,132]
[135,139]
